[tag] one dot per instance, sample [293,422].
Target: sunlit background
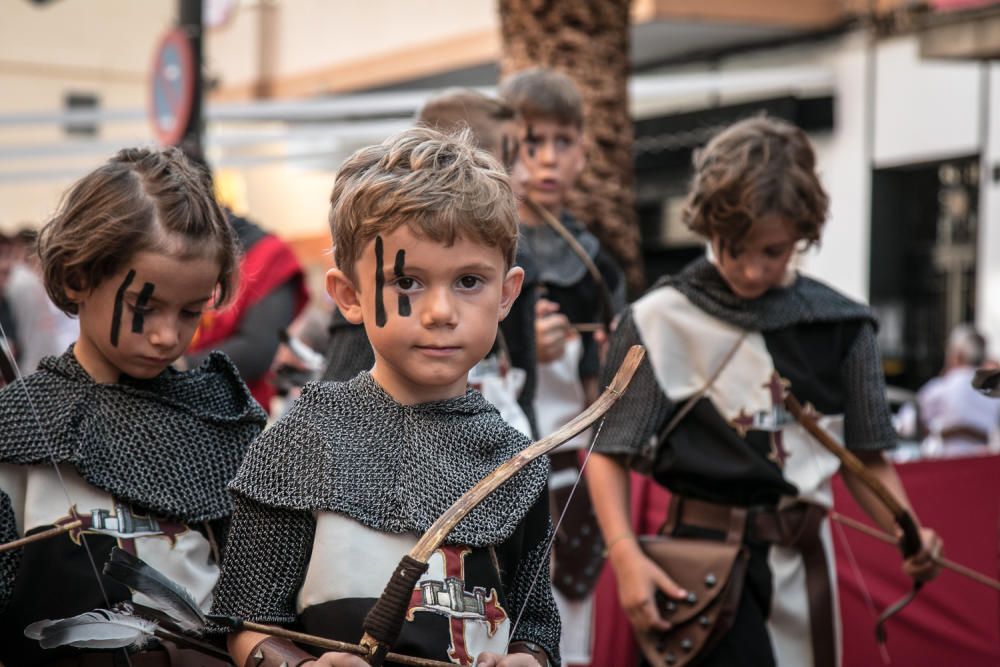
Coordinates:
[898,96]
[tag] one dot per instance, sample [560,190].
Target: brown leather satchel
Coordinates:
[712,572]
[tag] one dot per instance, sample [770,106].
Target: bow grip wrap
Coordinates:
[384,621]
[909,543]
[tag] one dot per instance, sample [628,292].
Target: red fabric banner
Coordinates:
[953,621]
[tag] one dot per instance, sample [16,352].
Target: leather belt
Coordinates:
[796,527]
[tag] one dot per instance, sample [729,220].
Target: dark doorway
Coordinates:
[923,262]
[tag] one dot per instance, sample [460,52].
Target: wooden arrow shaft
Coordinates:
[44,535]
[334,645]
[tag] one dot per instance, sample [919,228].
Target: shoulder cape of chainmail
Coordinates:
[804,301]
[169,444]
[555,262]
[349,447]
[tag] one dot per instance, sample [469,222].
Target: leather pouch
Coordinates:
[578,546]
[713,573]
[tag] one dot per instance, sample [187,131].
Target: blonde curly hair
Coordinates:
[441,186]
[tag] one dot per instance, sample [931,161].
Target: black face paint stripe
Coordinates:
[380,317]
[138,318]
[116,317]
[531,140]
[398,269]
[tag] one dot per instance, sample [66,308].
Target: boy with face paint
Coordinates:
[499,375]
[425,233]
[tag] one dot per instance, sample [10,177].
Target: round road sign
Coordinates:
[172,95]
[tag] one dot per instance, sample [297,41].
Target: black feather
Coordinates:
[160,592]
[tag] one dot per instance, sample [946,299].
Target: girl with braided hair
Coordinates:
[109,434]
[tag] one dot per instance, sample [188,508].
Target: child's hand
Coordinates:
[509,660]
[334,659]
[552,329]
[639,582]
[921,566]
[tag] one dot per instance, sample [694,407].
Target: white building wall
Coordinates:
[843,156]
[925,110]
[988,264]
[842,258]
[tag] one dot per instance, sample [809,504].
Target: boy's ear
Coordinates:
[512,283]
[345,295]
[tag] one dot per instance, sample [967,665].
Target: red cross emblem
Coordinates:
[449,598]
[770,420]
[777,386]
[121,523]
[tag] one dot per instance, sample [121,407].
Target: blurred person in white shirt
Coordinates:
[958,420]
[42,328]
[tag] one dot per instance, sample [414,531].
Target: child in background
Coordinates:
[550,160]
[329,499]
[724,339]
[108,433]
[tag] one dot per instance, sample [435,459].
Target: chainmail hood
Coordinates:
[349,447]
[804,301]
[555,263]
[169,444]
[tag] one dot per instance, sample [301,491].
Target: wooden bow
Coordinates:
[385,620]
[909,543]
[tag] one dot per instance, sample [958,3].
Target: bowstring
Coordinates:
[555,532]
[19,380]
[869,602]
[855,567]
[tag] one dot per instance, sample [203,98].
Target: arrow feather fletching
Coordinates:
[158,591]
[99,629]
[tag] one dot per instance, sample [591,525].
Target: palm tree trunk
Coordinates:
[588,40]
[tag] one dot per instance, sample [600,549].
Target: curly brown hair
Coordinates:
[139,200]
[439,185]
[754,168]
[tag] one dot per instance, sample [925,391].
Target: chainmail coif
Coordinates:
[805,300]
[349,447]
[557,265]
[169,444]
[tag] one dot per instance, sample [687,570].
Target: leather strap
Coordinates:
[698,395]
[274,652]
[532,649]
[802,523]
